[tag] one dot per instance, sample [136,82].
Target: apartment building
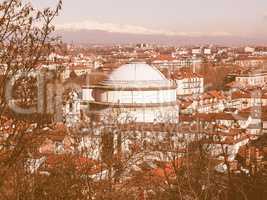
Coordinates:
[188,83]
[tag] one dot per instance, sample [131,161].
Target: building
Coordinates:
[173,63]
[79,70]
[248,78]
[188,83]
[209,102]
[169,62]
[196,51]
[249,50]
[207,51]
[249,98]
[250,61]
[135,91]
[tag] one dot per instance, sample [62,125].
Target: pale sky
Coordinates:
[181,17]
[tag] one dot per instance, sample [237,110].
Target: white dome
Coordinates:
[136,74]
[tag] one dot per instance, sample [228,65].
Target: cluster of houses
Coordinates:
[156,98]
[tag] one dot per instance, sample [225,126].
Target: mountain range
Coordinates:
[85,36]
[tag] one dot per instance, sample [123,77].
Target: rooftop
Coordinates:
[136,74]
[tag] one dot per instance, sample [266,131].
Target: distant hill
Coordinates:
[105,37]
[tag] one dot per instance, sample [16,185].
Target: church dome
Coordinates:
[136,74]
[138,91]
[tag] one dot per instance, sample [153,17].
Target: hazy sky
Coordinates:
[184,17]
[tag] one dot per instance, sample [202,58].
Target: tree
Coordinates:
[25,42]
